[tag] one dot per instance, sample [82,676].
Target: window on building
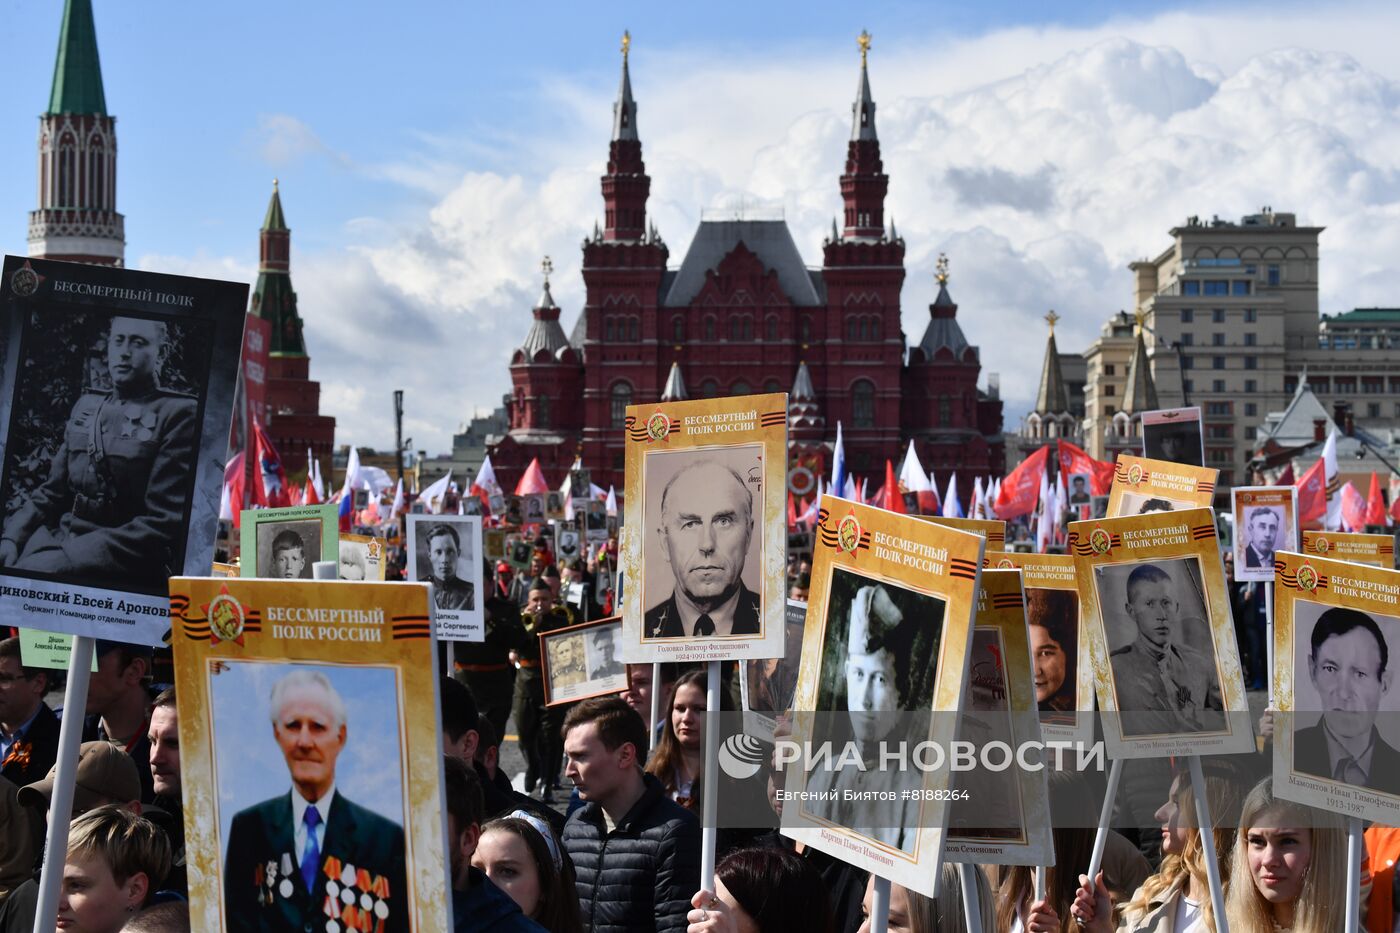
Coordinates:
[770,328]
[1217,385]
[1251,410]
[1321,385]
[747,328]
[634,329]
[1187,315]
[709,389]
[1217,455]
[875,328]
[1395,385]
[1190,287]
[1219,408]
[1239,287]
[804,329]
[863,403]
[1250,432]
[1188,385]
[1273,275]
[542,411]
[1346,385]
[1227,478]
[610,329]
[1251,315]
[709,328]
[852,329]
[1110,391]
[619,399]
[678,329]
[1188,362]
[1251,362]
[1217,362]
[1373,409]
[1217,315]
[1216,287]
[1219,432]
[1372,385]
[772,386]
[1108,369]
[1217,340]
[741,388]
[1249,339]
[1188,340]
[1251,385]
[734,333]
[945,410]
[1108,411]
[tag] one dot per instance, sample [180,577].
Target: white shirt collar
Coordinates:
[300,803]
[721,616]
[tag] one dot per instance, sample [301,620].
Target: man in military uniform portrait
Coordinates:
[705,532]
[112,510]
[305,858]
[566,662]
[1163,685]
[604,649]
[443,547]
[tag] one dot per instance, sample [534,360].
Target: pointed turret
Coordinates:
[77,73]
[943,331]
[675,386]
[863,110]
[805,420]
[1141,393]
[274,299]
[864,184]
[545,333]
[626,185]
[625,108]
[1053,397]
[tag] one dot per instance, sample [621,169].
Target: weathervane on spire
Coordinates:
[863,40]
[1052,318]
[546,266]
[626,44]
[1140,317]
[942,267]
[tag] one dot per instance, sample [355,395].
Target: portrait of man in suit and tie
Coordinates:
[1349,666]
[308,855]
[700,546]
[1261,527]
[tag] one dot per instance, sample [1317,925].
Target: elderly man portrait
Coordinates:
[289,854]
[706,529]
[1349,664]
[1261,533]
[444,548]
[114,502]
[1163,685]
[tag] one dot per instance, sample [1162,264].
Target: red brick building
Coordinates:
[742,314]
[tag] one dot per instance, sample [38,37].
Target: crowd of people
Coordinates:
[622,852]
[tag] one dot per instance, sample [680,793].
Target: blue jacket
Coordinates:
[485,908]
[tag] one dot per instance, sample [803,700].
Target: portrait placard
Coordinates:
[554,505]
[706,481]
[768,686]
[567,543]
[362,557]
[581,661]
[1141,486]
[888,633]
[1374,550]
[1173,435]
[1059,645]
[116,393]
[1162,639]
[445,550]
[532,508]
[265,668]
[1004,819]
[515,511]
[1266,520]
[1337,730]
[992,530]
[518,551]
[595,518]
[282,544]
[1080,490]
[494,543]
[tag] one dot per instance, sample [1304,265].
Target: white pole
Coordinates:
[1040,882]
[1353,909]
[972,910]
[880,906]
[655,704]
[709,826]
[1115,771]
[1206,828]
[70,738]
[1269,635]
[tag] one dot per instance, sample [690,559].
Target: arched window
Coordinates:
[709,328]
[67,170]
[709,389]
[735,334]
[863,403]
[770,328]
[621,397]
[610,329]
[772,386]
[875,328]
[741,388]
[804,330]
[852,328]
[634,329]
[748,328]
[96,172]
[678,329]
[945,410]
[542,411]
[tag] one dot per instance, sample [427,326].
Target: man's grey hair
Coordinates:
[306,680]
[1265,510]
[746,498]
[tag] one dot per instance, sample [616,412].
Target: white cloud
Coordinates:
[1042,161]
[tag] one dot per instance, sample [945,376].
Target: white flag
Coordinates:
[1333,483]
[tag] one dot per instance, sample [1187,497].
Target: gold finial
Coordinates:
[274,184]
[942,266]
[626,44]
[1052,318]
[547,266]
[1140,317]
[863,40]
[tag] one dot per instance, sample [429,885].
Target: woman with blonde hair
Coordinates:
[1289,867]
[1177,897]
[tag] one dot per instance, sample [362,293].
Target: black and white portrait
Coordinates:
[1346,727]
[445,550]
[102,446]
[595,517]
[1264,525]
[1079,489]
[582,661]
[1098,507]
[533,508]
[567,546]
[1173,435]
[1134,503]
[554,505]
[494,543]
[471,505]
[701,547]
[879,667]
[1164,669]
[602,654]
[286,550]
[515,511]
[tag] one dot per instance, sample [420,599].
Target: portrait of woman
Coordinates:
[1053,616]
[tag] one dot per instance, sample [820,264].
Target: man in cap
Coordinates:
[884,650]
[444,548]
[604,645]
[28,728]
[119,704]
[288,856]
[706,528]
[1162,684]
[112,510]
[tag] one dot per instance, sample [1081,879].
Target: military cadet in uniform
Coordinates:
[608,665]
[112,510]
[485,666]
[449,590]
[310,859]
[706,528]
[1163,686]
[531,718]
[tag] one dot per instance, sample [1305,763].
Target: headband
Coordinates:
[539,826]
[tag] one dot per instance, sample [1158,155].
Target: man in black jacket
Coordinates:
[28,728]
[636,853]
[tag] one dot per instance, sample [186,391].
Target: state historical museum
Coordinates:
[744,314]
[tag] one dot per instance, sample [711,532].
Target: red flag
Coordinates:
[1353,508]
[309,496]
[532,482]
[1020,491]
[890,499]
[1075,460]
[269,479]
[234,483]
[1395,509]
[1286,478]
[1375,505]
[791,511]
[1312,496]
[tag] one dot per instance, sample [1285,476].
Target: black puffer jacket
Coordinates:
[642,875]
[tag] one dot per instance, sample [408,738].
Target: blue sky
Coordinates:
[431,153]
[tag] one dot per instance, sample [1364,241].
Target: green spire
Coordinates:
[274,219]
[77,74]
